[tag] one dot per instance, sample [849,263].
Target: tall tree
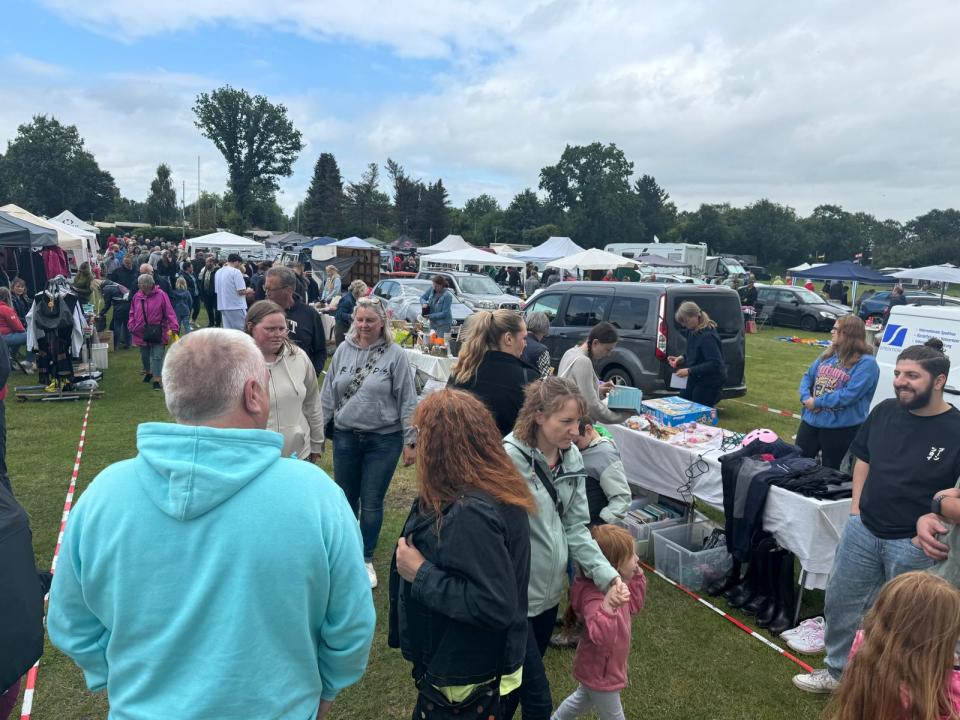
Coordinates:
[322,211]
[656,215]
[834,234]
[481,220]
[524,213]
[162,200]
[255,136]
[434,216]
[47,170]
[591,187]
[366,208]
[407,195]
[772,233]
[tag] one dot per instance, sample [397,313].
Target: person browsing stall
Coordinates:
[577,364]
[437,302]
[151,323]
[535,353]
[231,290]
[295,409]
[458,582]
[368,393]
[489,363]
[907,450]
[543,450]
[344,312]
[702,363]
[331,286]
[836,392]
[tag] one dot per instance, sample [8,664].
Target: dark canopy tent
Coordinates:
[845,270]
[13,235]
[342,264]
[19,239]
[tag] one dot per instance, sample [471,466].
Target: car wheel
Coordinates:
[618,376]
[808,323]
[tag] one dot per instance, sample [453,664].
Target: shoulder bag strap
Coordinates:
[545,480]
[360,376]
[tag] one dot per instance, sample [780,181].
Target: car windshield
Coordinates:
[479,285]
[811,298]
[414,288]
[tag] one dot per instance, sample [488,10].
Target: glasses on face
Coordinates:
[268,290]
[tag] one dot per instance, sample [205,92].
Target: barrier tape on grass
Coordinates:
[31,682]
[767,408]
[727,616]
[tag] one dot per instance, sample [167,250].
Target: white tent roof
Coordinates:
[592,259]
[472,256]
[71,220]
[448,244]
[224,241]
[804,266]
[551,249]
[931,273]
[354,242]
[67,238]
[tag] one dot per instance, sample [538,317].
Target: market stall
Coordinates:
[226,242]
[436,366]
[450,243]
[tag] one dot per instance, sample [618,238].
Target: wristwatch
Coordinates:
[937,502]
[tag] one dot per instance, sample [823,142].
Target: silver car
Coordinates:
[403,299]
[475,290]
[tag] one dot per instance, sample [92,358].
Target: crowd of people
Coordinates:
[262,568]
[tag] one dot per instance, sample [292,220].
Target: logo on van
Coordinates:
[894,335]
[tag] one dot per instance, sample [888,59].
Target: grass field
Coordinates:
[686,661]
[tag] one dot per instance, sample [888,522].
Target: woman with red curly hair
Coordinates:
[458,580]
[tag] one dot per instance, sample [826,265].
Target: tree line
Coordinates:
[587,195]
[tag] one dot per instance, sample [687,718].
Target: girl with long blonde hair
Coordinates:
[905,656]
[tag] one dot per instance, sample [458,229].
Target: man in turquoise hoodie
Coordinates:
[208,577]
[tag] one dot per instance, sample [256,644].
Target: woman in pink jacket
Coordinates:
[600,665]
[148,307]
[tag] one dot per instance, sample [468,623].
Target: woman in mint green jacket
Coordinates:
[542,447]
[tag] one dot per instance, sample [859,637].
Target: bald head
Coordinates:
[146,269]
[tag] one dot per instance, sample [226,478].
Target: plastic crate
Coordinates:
[678,555]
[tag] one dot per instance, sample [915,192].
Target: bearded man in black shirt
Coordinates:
[907,450]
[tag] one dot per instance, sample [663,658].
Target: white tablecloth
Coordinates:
[433,365]
[807,527]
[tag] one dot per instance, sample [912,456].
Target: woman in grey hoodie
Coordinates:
[369,394]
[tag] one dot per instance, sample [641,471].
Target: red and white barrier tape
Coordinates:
[767,408]
[31,682]
[718,611]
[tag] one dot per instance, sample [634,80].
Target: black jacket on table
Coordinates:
[307,332]
[463,619]
[499,382]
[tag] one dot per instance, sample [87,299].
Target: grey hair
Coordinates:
[358,288]
[538,323]
[205,382]
[146,281]
[380,309]
[5,295]
[287,277]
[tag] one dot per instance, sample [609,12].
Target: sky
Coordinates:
[824,101]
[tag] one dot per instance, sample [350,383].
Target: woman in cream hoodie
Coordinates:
[295,409]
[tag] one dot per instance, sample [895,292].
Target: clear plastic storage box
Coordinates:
[642,531]
[678,554]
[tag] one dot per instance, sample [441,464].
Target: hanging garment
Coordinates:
[55,326]
[55,262]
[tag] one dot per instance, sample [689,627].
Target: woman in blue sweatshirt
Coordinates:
[438,299]
[702,363]
[836,391]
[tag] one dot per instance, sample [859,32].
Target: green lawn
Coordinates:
[686,662]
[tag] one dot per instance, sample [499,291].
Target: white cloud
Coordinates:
[803,103]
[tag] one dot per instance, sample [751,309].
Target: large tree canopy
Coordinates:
[255,136]
[46,170]
[322,211]
[162,200]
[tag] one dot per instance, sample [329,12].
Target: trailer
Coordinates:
[693,255]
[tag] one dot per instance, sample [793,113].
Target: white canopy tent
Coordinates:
[450,243]
[593,259]
[804,266]
[471,256]
[943,274]
[71,220]
[227,242]
[552,248]
[74,240]
[354,242]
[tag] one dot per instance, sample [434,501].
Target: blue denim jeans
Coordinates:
[15,341]
[862,565]
[363,465]
[151,357]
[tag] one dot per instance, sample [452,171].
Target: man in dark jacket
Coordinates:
[126,274]
[208,291]
[306,328]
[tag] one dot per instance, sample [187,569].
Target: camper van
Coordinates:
[691,255]
[914,325]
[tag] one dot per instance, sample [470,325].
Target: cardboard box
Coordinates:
[106,336]
[674,411]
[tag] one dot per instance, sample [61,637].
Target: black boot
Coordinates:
[726,582]
[764,593]
[740,594]
[786,597]
[766,614]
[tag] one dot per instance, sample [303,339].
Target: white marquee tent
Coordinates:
[227,242]
[80,242]
[449,244]
[471,256]
[71,220]
[593,259]
[552,248]
[354,242]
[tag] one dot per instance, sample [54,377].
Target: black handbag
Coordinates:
[152,332]
[483,702]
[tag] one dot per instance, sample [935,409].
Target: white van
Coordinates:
[914,325]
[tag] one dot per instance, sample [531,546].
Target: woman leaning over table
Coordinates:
[295,410]
[543,450]
[369,395]
[577,365]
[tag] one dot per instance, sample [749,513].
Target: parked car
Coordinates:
[476,291]
[644,314]
[403,299]
[798,307]
[877,303]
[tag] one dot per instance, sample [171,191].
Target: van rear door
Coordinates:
[723,306]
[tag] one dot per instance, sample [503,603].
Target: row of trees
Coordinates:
[587,195]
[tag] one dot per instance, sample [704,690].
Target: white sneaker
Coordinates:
[372,574]
[810,641]
[802,628]
[820,682]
